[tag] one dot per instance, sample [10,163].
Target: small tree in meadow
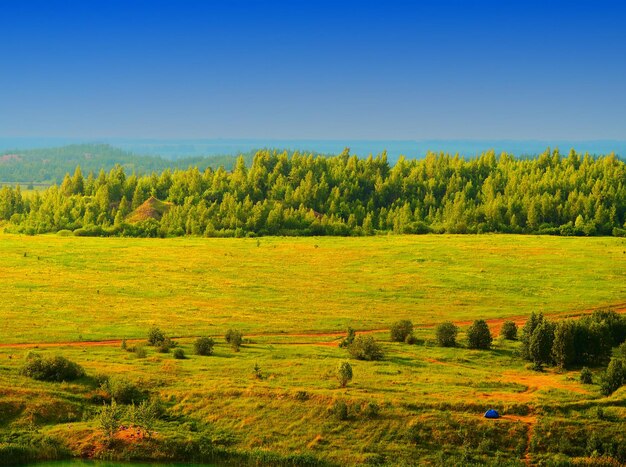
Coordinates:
[204,346]
[344,374]
[156,337]
[110,420]
[509,330]
[235,338]
[446,334]
[479,336]
[365,348]
[346,341]
[541,343]
[400,330]
[586,377]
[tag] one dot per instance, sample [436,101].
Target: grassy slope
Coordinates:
[70,288]
[289,284]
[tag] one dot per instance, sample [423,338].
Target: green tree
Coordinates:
[446,334]
[479,336]
[613,378]
[509,330]
[344,374]
[563,350]
[541,343]
[365,348]
[400,330]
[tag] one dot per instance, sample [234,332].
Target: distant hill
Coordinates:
[49,165]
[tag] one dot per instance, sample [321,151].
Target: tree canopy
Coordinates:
[303,194]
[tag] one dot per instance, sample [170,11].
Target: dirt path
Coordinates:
[495,324]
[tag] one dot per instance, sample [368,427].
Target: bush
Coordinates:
[586,377]
[613,378]
[509,330]
[204,346]
[179,354]
[340,410]
[235,338]
[400,330]
[479,336]
[110,420]
[446,334]
[155,336]
[410,339]
[344,374]
[140,351]
[372,410]
[365,348]
[55,368]
[346,341]
[166,345]
[122,390]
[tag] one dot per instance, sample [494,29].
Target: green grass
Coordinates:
[431,399]
[68,288]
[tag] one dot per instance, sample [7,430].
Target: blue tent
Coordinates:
[492,414]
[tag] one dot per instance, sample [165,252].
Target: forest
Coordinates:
[305,194]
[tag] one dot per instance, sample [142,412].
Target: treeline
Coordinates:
[303,194]
[49,165]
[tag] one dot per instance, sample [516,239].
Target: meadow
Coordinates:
[293,298]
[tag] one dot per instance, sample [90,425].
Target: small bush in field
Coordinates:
[140,351]
[446,334]
[509,330]
[179,354]
[166,345]
[400,330]
[122,390]
[365,348]
[340,410]
[346,341]
[344,374]
[156,337]
[479,336]
[586,377]
[371,410]
[235,338]
[55,368]
[204,346]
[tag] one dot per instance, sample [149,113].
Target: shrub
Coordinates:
[346,341]
[344,374]
[400,330]
[179,354]
[365,348]
[204,346]
[509,330]
[586,377]
[479,336]
[55,368]
[372,410]
[340,410]
[155,336]
[446,334]
[166,345]
[110,420]
[257,371]
[613,378]
[122,390]
[140,351]
[621,351]
[235,338]
[124,345]
[410,339]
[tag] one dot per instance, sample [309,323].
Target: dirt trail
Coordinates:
[495,324]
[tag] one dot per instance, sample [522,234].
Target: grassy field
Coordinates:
[66,289]
[291,296]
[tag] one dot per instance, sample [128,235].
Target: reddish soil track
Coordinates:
[495,324]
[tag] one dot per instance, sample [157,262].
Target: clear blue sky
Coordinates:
[316,69]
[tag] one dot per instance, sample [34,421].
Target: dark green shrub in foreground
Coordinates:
[235,338]
[586,377]
[613,378]
[479,336]
[509,330]
[446,334]
[344,374]
[179,354]
[156,337]
[365,348]
[166,345]
[55,368]
[400,330]
[340,410]
[346,341]
[122,390]
[203,346]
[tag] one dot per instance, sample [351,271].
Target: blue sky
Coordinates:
[315,70]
